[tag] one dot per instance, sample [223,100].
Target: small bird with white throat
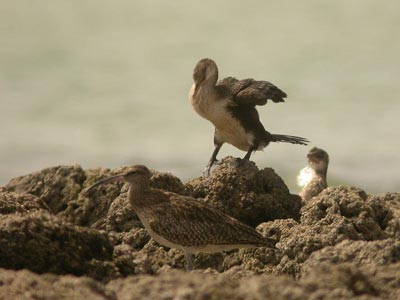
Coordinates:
[313,179]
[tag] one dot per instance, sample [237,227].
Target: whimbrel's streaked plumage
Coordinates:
[318,160]
[182,222]
[230,104]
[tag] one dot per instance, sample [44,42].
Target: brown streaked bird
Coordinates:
[318,160]
[182,222]
[230,104]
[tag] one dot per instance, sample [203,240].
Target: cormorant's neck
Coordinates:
[207,87]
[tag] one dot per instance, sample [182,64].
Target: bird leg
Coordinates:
[249,152]
[240,161]
[189,261]
[213,159]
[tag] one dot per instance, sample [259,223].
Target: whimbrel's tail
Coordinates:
[289,139]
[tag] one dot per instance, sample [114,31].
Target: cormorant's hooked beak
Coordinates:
[103,181]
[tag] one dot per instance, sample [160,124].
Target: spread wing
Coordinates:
[250,91]
[188,222]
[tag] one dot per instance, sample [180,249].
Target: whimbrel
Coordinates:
[230,104]
[318,160]
[182,222]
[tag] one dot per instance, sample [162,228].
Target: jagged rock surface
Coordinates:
[342,244]
[42,243]
[329,282]
[248,194]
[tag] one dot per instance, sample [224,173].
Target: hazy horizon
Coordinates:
[105,84]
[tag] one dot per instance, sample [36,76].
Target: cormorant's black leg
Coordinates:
[248,154]
[212,159]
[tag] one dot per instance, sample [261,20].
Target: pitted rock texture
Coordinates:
[360,253]
[11,202]
[330,282]
[391,200]
[342,244]
[28,285]
[55,186]
[44,243]
[246,193]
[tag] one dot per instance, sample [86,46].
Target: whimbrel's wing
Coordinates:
[191,223]
[250,91]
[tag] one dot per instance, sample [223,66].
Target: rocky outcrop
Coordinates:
[42,243]
[342,244]
[330,282]
[248,194]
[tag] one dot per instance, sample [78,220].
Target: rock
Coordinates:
[328,282]
[392,200]
[91,210]
[335,215]
[175,285]
[331,282]
[258,260]
[168,182]
[44,243]
[136,237]
[55,186]
[277,228]
[11,202]
[352,206]
[25,284]
[246,193]
[360,253]
[123,258]
[348,281]
[343,244]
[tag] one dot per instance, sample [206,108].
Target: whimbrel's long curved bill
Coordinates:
[103,181]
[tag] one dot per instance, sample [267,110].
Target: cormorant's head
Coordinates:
[318,159]
[138,174]
[206,69]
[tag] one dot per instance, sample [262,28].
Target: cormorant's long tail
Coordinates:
[289,139]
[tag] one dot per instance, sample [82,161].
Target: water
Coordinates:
[105,83]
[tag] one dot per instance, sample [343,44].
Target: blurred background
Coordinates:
[105,83]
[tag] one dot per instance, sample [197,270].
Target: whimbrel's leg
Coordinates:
[212,160]
[189,261]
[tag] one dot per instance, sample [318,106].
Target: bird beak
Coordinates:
[103,181]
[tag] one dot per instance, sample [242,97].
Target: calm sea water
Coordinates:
[105,83]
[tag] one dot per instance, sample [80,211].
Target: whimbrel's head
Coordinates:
[204,71]
[318,159]
[135,175]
